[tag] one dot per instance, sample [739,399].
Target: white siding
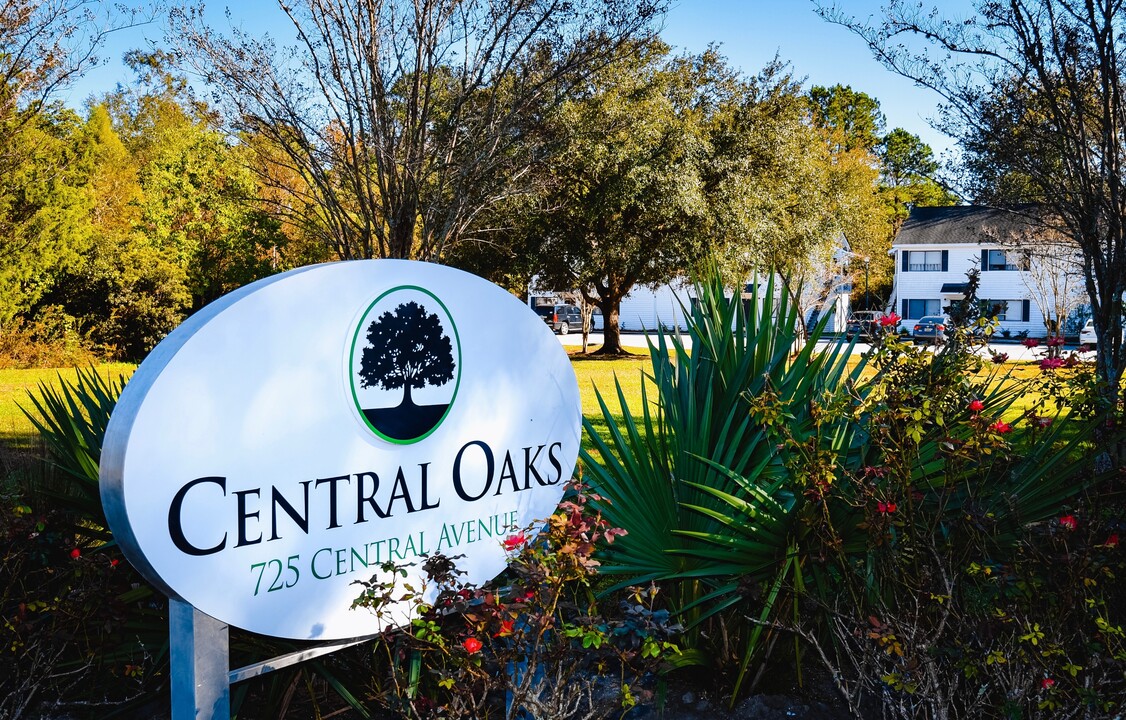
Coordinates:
[648,309]
[995,285]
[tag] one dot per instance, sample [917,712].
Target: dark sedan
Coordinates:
[930,329]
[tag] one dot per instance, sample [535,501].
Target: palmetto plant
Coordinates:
[71,420]
[701,476]
[759,471]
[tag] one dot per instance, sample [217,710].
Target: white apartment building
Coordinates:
[937,246]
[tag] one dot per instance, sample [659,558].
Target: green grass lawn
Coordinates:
[16,431]
[595,373]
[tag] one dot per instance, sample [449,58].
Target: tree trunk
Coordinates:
[611,332]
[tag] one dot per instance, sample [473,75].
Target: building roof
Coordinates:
[964,224]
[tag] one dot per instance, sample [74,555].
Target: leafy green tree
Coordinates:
[907,176]
[1035,86]
[872,209]
[852,117]
[403,118]
[44,165]
[199,204]
[624,202]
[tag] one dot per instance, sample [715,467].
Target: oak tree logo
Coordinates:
[404,365]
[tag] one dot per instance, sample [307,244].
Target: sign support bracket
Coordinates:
[200,656]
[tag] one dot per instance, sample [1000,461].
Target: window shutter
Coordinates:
[984,260]
[1025,310]
[945,260]
[904,313]
[903,255]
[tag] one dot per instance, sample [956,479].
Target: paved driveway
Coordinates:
[1015,351]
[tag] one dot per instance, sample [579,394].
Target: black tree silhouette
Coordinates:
[406,350]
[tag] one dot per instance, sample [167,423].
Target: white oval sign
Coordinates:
[291,437]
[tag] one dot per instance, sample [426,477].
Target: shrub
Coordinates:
[845,508]
[49,341]
[532,644]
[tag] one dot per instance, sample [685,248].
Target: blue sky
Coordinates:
[748,32]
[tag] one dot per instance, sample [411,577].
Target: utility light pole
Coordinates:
[867,299]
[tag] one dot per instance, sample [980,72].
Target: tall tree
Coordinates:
[46,44]
[908,173]
[1036,87]
[404,118]
[43,207]
[853,117]
[624,201]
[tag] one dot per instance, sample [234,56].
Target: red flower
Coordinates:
[1051,363]
[506,628]
[1084,348]
[976,406]
[1041,421]
[1055,342]
[886,507]
[1030,342]
[1047,683]
[1112,541]
[75,554]
[999,358]
[114,562]
[513,542]
[472,645]
[1001,427]
[888,320]
[1069,522]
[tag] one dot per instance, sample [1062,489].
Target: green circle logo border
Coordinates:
[352,365]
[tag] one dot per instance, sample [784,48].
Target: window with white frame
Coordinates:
[993,260]
[924,260]
[915,309]
[997,308]
[1014,310]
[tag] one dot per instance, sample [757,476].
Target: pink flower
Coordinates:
[513,542]
[888,320]
[1030,342]
[886,507]
[999,358]
[1069,522]
[75,554]
[1001,427]
[1041,421]
[472,645]
[976,406]
[1051,363]
[1055,341]
[1047,683]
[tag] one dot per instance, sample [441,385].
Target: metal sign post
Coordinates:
[199,657]
[201,681]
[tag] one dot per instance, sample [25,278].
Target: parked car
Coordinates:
[864,324]
[930,329]
[1087,334]
[561,318]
